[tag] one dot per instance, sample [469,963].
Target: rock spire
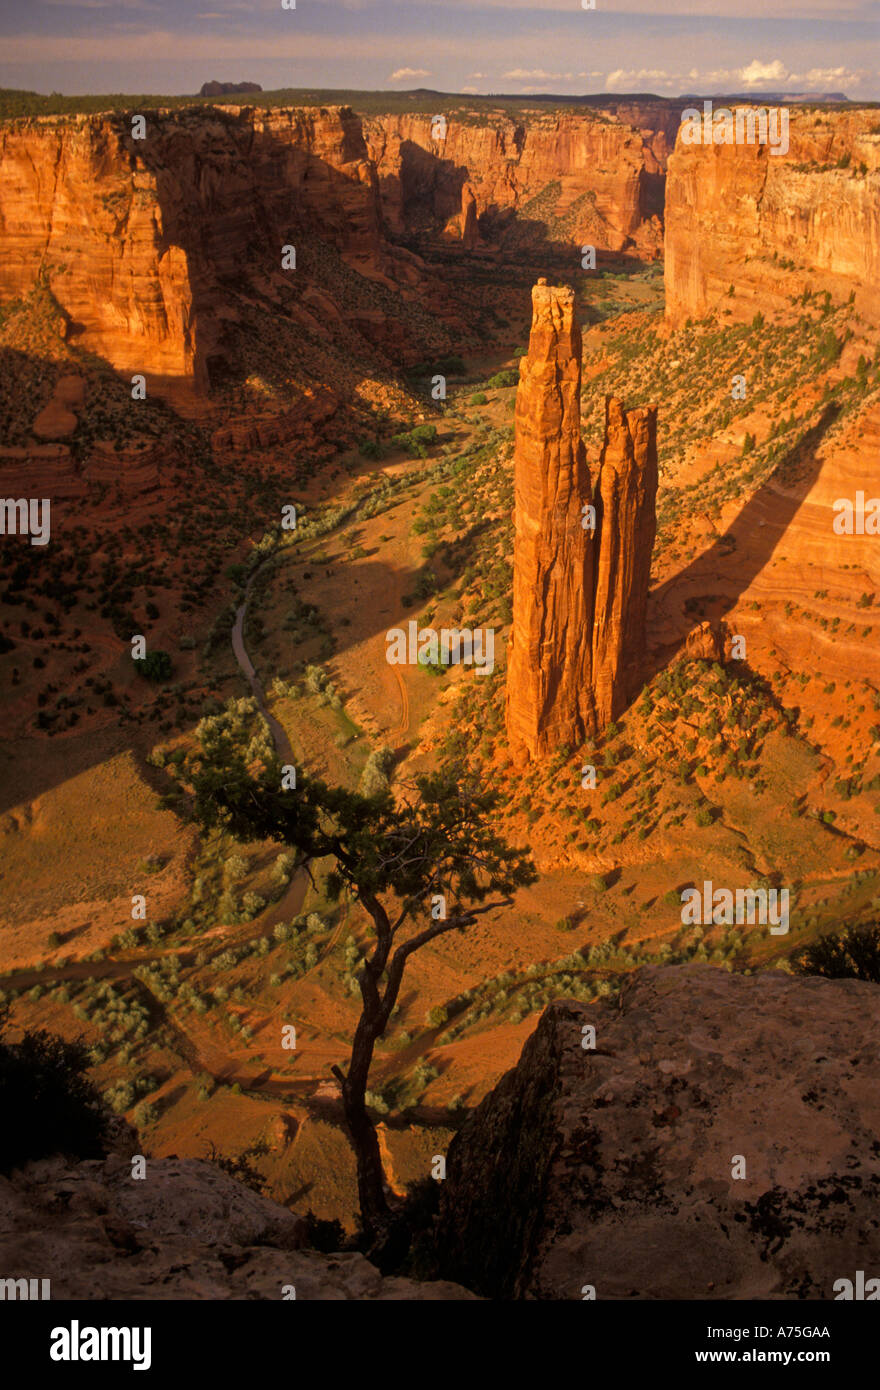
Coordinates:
[582,556]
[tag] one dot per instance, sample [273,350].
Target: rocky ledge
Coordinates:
[186,1230]
[719,1141]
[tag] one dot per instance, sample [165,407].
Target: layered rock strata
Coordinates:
[562,176]
[153,247]
[148,244]
[768,226]
[581,561]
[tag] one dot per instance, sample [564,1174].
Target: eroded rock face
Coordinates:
[185,1231]
[770,226]
[599,178]
[154,248]
[144,243]
[613,1166]
[549,691]
[709,641]
[579,592]
[626,525]
[469,230]
[74,209]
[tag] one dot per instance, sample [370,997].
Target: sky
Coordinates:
[514,46]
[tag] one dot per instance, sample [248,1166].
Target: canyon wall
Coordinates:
[151,247]
[145,244]
[562,177]
[580,591]
[78,211]
[771,225]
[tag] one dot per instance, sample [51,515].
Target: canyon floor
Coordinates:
[762,772]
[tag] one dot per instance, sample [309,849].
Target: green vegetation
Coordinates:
[156,666]
[417,440]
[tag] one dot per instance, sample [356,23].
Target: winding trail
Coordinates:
[291,903]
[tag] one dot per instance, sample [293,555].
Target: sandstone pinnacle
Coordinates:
[579,592]
[626,524]
[549,690]
[470,234]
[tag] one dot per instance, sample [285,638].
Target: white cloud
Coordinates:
[757,72]
[827,77]
[532,74]
[754,77]
[776,74]
[631,78]
[401,74]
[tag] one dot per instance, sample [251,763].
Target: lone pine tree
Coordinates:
[420,866]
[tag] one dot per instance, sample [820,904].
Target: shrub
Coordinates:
[48,1104]
[374,778]
[155,666]
[326,1236]
[416,440]
[853,955]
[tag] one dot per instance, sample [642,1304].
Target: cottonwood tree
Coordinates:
[421,866]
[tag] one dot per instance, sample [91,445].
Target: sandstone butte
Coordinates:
[579,595]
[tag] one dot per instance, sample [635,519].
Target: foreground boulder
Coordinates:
[185,1231]
[614,1166]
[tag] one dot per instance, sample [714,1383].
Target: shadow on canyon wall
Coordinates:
[734,559]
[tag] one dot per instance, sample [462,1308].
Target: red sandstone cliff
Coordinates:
[154,248]
[146,244]
[572,177]
[579,596]
[76,211]
[737,215]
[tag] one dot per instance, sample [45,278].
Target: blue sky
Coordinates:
[662,46]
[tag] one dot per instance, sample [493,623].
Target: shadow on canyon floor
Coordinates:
[720,574]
